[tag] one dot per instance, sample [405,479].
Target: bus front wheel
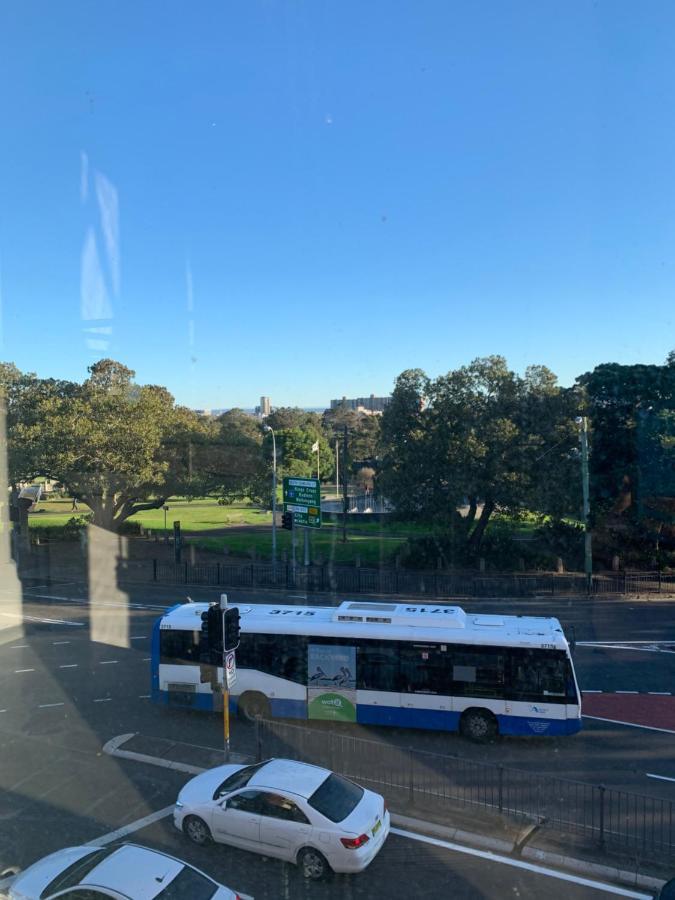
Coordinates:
[253,705]
[478,725]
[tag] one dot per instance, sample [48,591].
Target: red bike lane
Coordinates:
[648,710]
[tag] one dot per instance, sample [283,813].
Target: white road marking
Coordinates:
[659,777]
[42,620]
[108,662]
[140,637]
[69,666]
[16,671]
[629,724]
[660,693]
[48,705]
[103,700]
[626,692]
[18,647]
[589,691]
[144,696]
[60,642]
[3,710]
[131,827]
[147,658]
[521,864]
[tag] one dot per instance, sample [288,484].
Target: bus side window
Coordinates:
[377,666]
[478,672]
[538,675]
[425,669]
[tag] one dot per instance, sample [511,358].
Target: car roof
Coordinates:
[288,775]
[135,871]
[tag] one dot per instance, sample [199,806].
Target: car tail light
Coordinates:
[354,843]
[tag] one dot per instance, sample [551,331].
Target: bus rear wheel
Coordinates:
[478,725]
[253,705]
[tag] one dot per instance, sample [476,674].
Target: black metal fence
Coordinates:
[602,815]
[439,583]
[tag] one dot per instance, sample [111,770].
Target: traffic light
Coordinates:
[287,521]
[211,645]
[215,634]
[231,635]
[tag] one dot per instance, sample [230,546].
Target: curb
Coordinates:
[515,848]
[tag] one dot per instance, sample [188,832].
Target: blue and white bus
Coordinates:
[411,665]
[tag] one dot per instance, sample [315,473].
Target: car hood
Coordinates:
[201,788]
[33,880]
[362,818]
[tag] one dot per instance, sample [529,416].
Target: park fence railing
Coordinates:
[393,581]
[604,816]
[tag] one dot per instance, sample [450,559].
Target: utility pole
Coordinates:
[344,487]
[293,549]
[306,530]
[337,468]
[588,550]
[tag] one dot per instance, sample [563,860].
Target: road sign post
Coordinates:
[302,497]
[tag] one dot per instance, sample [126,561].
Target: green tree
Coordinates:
[480,439]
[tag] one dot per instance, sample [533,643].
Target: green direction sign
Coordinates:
[302,497]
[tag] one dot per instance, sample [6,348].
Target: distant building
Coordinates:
[265,407]
[370,405]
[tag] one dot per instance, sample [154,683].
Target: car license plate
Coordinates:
[377,827]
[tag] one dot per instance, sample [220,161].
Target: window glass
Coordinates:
[543,675]
[188,883]
[336,798]
[77,871]
[426,669]
[283,655]
[247,801]
[478,672]
[179,647]
[275,806]
[238,779]
[377,666]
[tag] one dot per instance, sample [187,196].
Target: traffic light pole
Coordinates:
[226,692]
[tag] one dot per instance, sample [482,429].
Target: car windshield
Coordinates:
[336,798]
[237,780]
[77,871]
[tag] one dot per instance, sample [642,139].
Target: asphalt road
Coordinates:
[66,688]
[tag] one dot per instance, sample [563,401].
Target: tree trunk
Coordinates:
[476,535]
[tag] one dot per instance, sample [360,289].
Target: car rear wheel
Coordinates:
[313,864]
[197,830]
[478,725]
[253,705]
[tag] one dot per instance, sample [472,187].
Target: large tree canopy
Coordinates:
[479,437]
[118,446]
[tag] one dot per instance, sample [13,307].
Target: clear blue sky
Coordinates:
[302,199]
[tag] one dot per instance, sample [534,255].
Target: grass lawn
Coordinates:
[326,543]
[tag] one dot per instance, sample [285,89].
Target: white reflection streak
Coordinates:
[84,176]
[108,205]
[95,303]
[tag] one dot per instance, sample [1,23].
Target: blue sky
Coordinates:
[302,199]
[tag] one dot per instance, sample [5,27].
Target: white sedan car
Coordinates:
[126,872]
[290,810]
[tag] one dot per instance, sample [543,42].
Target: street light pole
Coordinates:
[582,421]
[274,501]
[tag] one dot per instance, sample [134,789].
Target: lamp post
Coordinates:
[274,501]
[582,422]
[166,509]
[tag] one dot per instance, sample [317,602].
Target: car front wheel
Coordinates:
[312,864]
[197,830]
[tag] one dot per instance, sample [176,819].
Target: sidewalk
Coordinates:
[498,834]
